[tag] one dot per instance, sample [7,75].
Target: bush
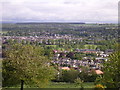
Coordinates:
[87,77]
[69,76]
[79,82]
[111,69]
[99,87]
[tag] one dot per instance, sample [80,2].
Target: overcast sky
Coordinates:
[60,10]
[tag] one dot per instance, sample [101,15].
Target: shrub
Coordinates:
[69,76]
[79,82]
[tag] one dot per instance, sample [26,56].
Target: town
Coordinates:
[74,50]
[59,44]
[92,57]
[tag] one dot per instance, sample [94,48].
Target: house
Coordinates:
[101,59]
[65,68]
[87,50]
[98,72]
[109,51]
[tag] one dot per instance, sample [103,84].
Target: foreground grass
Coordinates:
[70,85]
[60,85]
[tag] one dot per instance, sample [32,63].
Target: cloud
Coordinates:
[60,10]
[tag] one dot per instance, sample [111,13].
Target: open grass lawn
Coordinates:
[61,49]
[88,46]
[51,45]
[70,85]
[59,85]
[3,31]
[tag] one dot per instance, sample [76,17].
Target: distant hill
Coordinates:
[51,23]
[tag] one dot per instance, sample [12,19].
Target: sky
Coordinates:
[91,11]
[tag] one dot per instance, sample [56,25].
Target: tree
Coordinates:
[48,52]
[77,56]
[111,69]
[26,63]
[70,55]
[62,55]
[69,76]
[79,82]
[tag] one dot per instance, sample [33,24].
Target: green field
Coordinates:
[51,46]
[3,31]
[88,46]
[70,85]
[60,85]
